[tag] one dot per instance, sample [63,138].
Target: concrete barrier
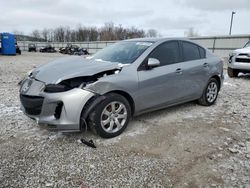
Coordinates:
[220,45]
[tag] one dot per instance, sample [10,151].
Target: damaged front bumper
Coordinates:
[61,110]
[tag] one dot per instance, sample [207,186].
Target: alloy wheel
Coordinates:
[113,117]
[212,92]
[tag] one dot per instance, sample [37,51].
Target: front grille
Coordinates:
[242,60]
[32,104]
[243,54]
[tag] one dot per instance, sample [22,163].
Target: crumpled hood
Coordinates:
[243,50]
[70,67]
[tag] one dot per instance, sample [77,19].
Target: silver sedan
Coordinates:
[125,79]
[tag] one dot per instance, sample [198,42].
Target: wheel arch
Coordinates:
[95,100]
[218,80]
[128,97]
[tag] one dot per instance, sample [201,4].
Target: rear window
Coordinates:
[190,51]
[202,52]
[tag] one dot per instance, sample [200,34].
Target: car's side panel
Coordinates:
[126,81]
[196,74]
[159,86]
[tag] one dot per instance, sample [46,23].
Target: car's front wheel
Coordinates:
[210,93]
[232,72]
[110,118]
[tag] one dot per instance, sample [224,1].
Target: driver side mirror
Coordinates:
[152,62]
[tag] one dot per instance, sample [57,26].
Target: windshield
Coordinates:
[247,44]
[125,52]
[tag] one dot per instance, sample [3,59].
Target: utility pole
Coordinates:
[232,17]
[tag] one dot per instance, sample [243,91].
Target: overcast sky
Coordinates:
[168,17]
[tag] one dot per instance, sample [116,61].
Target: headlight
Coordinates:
[231,54]
[29,72]
[25,76]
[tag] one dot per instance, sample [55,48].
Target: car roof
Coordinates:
[157,39]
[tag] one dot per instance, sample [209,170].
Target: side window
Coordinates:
[202,52]
[167,53]
[190,51]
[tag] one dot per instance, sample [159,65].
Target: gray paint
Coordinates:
[70,67]
[150,89]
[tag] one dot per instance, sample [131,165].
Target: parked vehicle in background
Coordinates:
[122,80]
[48,49]
[18,50]
[73,50]
[239,61]
[31,47]
[69,49]
[81,51]
[64,50]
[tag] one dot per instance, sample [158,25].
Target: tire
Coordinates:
[105,117]
[210,93]
[232,72]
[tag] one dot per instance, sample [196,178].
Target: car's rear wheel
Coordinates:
[110,118]
[232,72]
[210,93]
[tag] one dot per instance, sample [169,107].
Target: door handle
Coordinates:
[178,71]
[205,65]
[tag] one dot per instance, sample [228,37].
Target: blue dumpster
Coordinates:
[8,44]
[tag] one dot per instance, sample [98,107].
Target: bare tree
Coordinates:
[152,33]
[93,34]
[82,34]
[120,33]
[108,32]
[45,34]
[73,36]
[35,33]
[135,33]
[51,35]
[67,36]
[59,34]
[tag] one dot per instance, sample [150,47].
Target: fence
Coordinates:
[220,45]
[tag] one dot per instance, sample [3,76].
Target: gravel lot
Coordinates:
[183,146]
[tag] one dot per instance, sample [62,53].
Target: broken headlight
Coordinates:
[28,74]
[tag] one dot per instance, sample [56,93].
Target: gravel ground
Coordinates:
[184,146]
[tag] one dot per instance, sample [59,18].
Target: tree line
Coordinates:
[82,33]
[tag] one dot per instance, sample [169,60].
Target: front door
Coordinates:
[161,85]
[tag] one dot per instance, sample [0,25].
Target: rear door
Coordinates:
[196,69]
